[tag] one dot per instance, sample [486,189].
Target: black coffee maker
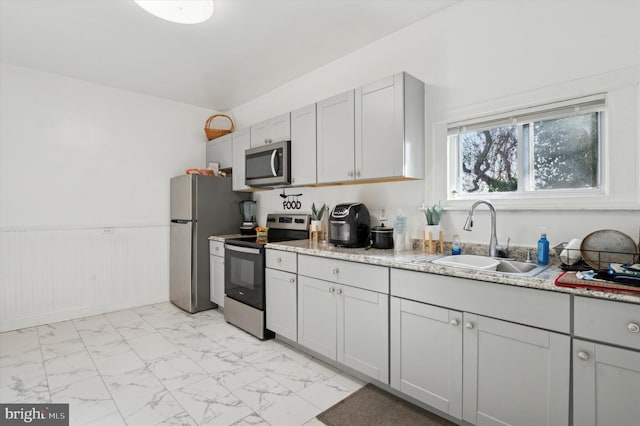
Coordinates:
[349,225]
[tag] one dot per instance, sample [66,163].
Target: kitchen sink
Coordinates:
[490,264]
[469,261]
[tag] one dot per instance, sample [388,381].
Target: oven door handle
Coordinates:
[242,249]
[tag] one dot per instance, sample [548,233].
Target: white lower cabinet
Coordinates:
[448,350]
[216,272]
[507,374]
[280,293]
[344,323]
[218,280]
[426,354]
[606,385]
[606,379]
[514,374]
[317,316]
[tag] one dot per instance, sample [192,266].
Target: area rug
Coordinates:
[372,406]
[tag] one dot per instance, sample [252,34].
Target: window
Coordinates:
[545,150]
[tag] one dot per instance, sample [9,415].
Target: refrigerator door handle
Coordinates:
[180,221]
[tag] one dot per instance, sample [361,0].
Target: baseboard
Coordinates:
[57,316]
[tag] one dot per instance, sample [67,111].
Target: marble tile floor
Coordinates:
[157,364]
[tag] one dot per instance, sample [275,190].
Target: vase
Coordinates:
[435,232]
[316,225]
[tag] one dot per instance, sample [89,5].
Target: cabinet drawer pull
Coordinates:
[279,260]
[583,355]
[336,271]
[454,322]
[469,325]
[633,327]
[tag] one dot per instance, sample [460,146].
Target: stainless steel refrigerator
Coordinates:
[200,206]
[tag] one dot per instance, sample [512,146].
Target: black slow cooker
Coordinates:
[382,237]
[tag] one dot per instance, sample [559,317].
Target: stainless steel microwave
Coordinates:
[268,165]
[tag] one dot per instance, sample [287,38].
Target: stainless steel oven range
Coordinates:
[244,264]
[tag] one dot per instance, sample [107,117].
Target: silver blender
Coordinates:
[248,210]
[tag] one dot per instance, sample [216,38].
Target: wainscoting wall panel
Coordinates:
[49,275]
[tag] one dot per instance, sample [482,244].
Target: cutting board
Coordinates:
[569,279]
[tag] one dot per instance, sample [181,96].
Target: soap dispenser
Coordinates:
[456,245]
[543,249]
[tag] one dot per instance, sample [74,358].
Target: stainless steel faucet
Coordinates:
[493,242]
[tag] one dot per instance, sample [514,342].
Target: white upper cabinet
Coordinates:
[275,129]
[375,132]
[303,146]
[335,145]
[241,142]
[219,151]
[389,129]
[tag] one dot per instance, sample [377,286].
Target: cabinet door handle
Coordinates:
[583,355]
[350,173]
[633,327]
[454,322]
[358,173]
[332,290]
[469,325]
[338,291]
[292,280]
[336,271]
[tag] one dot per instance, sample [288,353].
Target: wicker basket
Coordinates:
[216,133]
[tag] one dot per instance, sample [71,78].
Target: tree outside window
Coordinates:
[559,153]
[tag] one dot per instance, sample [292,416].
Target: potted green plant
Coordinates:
[316,217]
[433,214]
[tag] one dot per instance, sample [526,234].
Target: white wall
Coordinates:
[471,54]
[84,168]
[84,194]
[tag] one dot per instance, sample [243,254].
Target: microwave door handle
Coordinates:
[274,155]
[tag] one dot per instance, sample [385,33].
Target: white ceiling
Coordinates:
[248,48]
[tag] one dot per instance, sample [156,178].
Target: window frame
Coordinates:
[528,115]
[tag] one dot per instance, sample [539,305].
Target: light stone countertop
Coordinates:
[417,261]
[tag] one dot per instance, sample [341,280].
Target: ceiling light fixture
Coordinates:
[180,11]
